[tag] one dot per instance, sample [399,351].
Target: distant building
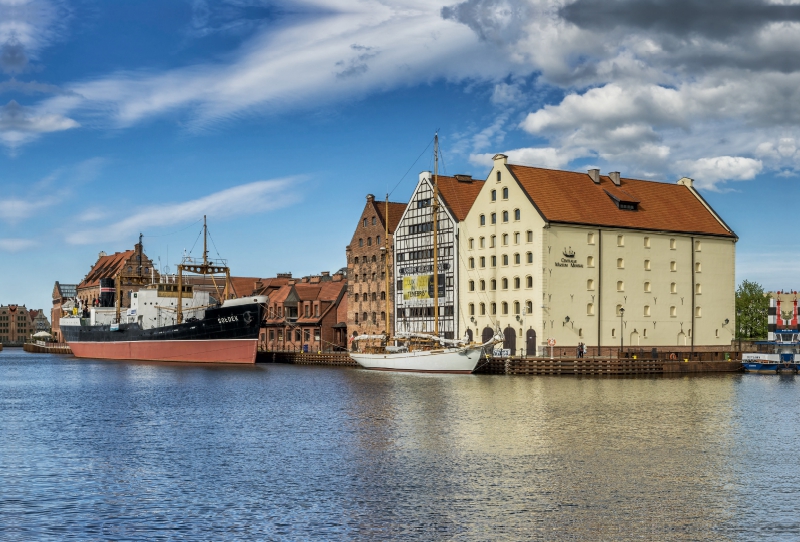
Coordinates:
[63,294]
[132,265]
[367,308]
[782,315]
[39,320]
[413,248]
[308,314]
[15,325]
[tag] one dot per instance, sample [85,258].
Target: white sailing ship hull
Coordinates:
[449,360]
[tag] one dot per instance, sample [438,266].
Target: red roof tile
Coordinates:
[395,212]
[571,197]
[104,268]
[459,195]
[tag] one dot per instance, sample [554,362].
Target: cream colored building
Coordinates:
[599,260]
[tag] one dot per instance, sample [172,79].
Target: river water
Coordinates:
[139,451]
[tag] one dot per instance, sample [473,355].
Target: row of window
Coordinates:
[364,222]
[494,194]
[365,276]
[503,284]
[504,239]
[367,259]
[366,297]
[306,337]
[673,310]
[423,312]
[424,254]
[673,287]
[503,258]
[369,241]
[425,227]
[504,215]
[365,318]
[673,243]
[504,307]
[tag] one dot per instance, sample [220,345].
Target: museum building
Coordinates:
[571,258]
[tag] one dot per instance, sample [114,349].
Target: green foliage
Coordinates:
[751,311]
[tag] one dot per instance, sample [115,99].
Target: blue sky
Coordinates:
[276,118]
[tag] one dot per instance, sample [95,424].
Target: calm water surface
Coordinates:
[136,451]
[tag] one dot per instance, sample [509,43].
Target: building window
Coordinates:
[492,240]
[620,240]
[472,309]
[673,311]
[590,284]
[590,261]
[494,261]
[697,289]
[529,257]
[590,309]
[482,242]
[377,241]
[698,312]
[647,287]
[494,308]
[369,241]
[483,220]
[483,309]
[504,282]
[516,258]
[529,236]
[493,285]
[646,310]
[647,265]
[494,195]
[483,261]
[517,214]
[494,218]
[355,260]
[516,283]
[471,243]
[516,238]
[383,298]
[505,239]
[516,307]
[472,286]
[646,242]
[499,177]
[673,266]
[613,332]
[365,317]
[697,248]
[472,263]
[673,244]
[365,223]
[716,333]
[590,238]
[306,335]
[505,192]
[483,285]
[505,216]
[673,288]
[697,267]
[361,241]
[505,307]
[529,281]
[620,286]
[618,309]
[620,263]
[505,259]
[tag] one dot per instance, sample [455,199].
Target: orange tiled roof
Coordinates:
[104,268]
[459,195]
[571,197]
[395,212]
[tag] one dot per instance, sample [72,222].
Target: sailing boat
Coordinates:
[422,352]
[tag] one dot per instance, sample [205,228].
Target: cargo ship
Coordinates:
[169,320]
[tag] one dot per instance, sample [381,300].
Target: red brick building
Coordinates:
[366,269]
[131,263]
[63,294]
[307,314]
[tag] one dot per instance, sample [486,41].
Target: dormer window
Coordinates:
[623,200]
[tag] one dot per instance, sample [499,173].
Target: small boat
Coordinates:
[421,352]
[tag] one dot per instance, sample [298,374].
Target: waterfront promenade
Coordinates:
[123,450]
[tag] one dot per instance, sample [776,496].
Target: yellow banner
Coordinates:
[416,287]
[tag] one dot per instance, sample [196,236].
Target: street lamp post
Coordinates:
[739,331]
[621,330]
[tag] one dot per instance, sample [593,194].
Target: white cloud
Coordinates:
[16,245]
[19,124]
[544,157]
[251,198]
[14,210]
[708,172]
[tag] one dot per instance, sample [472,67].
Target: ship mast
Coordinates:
[205,268]
[386,262]
[435,210]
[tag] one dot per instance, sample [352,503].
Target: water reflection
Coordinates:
[116,450]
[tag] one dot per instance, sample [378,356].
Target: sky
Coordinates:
[277,118]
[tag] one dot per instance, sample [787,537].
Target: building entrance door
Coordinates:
[530,342]
[510,340]
[487,334]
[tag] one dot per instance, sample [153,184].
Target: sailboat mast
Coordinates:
[435,211]
[386,262]
[205,242]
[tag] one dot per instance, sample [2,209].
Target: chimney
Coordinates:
[314,279]
[337,277]
[501,157]
[614,175]
[463,178]
[284,275]
[424,175]
[686,181]
[370,197]
[326,273]
[595,175]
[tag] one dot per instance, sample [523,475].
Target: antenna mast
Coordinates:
[435,210]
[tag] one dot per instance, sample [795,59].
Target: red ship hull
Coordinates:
[201,351]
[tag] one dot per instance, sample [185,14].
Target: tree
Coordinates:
[752,306]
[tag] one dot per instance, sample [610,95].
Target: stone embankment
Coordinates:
[40,347]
